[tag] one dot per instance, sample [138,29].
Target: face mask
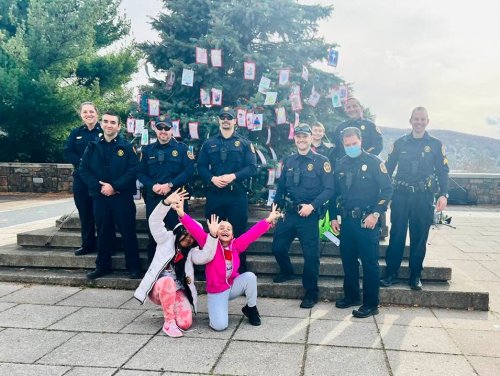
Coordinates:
[353,151]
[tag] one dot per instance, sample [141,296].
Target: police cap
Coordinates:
[303,128]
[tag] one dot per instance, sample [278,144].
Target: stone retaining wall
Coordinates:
[56,177]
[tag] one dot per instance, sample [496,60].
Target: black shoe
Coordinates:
[136,274]
[364,312]
[252,313]
[97,273]
[415,283]
[308,302]
[280,278]
[346,303]
[389,280]
[83,251]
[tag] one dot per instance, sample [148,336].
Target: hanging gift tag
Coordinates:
[333,57]
[153,107]
[279,169]
[201,56]
[271,176]
[216,97]
[145,137]
[249,70]
[241,117]
[297,119]
[216,58]
[205,97]
[291,133]
[305,73]
[283,76]
[193,130]
[264,85]
[258,120]
[280,115]
[139,127]
[270,197]
[187,77]
[176,131]
[271,97]
[130,125]
[249,120]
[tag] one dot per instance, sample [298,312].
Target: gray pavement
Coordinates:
[58,330]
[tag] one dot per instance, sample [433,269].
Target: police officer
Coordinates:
[76,143]
[370,133]
[109,168]
[363,190]
[422,164]
[306,184]
[164,166]
[226,163]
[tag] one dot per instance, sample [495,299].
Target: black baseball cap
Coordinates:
[303,128]
[227,111]
[166,123]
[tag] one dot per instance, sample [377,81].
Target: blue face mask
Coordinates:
[353,151]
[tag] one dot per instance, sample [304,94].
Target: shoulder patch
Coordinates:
[327,167]
[383,168]
[252,148]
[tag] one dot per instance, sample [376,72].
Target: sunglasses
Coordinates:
[163,127]
[226,117]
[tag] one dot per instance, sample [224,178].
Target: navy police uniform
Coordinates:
[362,187]
[422,171]
[219,156]
[170,163]
[370,134]
[115,163]
[306,179]
[75,146]
[323,149]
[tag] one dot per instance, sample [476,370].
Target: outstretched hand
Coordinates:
[274,215]
[176,199]
[213,225]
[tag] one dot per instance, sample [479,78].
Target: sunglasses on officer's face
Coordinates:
[226,117]
[163,127]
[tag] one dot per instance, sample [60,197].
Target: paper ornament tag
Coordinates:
[216,58]
[264,85]
[241,117]
[139,127]
[145,137]
[271,176]
[187,77]
[176,131]
[130,125]
[193,130]
[257,122]
[153,107]
[201,55]
[270,197]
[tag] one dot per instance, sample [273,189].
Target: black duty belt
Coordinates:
[405,187]
[356,213]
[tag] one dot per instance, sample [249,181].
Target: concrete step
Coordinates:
[16,256]
[63,238]
[453,295]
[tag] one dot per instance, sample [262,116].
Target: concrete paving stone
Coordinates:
[125,372]
[148,322]
[177,354]
[14,369]
[274,329]
[200,327]
[328,311]
[405,363]
[21,344]
[407,316]
[40,294]
[477,342]
[90,371]
[485,366]
[33,316]
[328,360]
[474,320]
[96,349]
[97,320]
[4,306]
[475,270]
[408,338]
[133,303]
[261,359]
[345,333]
[8,288]
[105,298]
[281,308]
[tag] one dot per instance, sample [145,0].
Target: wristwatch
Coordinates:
[445,195]
[170,184]
[376,214]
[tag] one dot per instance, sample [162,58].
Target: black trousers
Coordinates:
[416,211]
[85,205]
[171,219]
[113,212]
[307,230]
[231,207]
[360,243]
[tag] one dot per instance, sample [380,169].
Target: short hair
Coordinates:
[350,131]
[318,124]
[113,113]
[89,104]
[419,108]
[353,99]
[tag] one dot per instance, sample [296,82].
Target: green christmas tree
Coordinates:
[269,35]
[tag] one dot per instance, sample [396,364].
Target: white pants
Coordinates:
[218,304]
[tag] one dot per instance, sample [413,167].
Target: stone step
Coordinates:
[58,238]
[15,256]
[453,295]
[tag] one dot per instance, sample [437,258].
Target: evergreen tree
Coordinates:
[274,34]
[50,62]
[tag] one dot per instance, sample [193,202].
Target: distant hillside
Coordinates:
[466,153]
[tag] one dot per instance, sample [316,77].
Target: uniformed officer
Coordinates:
[76,143]
[109,168]
[363,190]
[422,173]
[226,163]
[370,133]
[305,186]
[164,166]
[318,144]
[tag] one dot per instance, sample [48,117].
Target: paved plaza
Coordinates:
[59,330]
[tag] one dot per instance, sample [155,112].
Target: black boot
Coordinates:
[415,283]
[252,313]
[389,280]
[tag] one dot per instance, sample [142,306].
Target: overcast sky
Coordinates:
[444,55]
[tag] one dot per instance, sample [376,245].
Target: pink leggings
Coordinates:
[175,304]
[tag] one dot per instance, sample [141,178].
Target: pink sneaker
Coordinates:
[172,330]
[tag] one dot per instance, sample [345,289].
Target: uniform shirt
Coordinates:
[307,179]
[167,163]
[417,159]
[361,182]
[219,156]
[77,142]
[370,134]
[323,149]
[113,162]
